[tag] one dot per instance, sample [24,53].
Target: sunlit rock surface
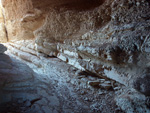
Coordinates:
[3,33]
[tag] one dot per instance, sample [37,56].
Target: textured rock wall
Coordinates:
[107,37]
[3,34]
[21,19]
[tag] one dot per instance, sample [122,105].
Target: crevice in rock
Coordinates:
[82,5]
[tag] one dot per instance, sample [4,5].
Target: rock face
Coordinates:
[21,19]
[3,34]
[143,85]
[107,37]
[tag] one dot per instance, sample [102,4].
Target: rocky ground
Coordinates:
[41,84]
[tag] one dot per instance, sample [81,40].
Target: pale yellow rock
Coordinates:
[3,37]
[1,16]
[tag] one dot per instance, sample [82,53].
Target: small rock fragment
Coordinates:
[94,83]
[105,86]
[102,80]
[100,92]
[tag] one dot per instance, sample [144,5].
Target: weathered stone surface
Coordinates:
[53,89]
[105,39]
[142,84]
[94,83]
[3,34]
[1,15]
[110,38]
[21,19]
[127,97]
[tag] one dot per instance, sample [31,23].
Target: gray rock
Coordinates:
[2,48]
[142,84]
[105,86]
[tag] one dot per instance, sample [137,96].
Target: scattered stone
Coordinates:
[100,92]
[68,80]
[102,80]
[142,84]
[86,99]
[94,83]
[105,86]
[116,88]
[107,82]
[80,77]
[130,101]
[77,73]
[83,92]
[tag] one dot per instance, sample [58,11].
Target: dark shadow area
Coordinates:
[83,4]
[16,81]
[68,4]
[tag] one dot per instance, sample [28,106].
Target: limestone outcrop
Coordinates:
[109,38]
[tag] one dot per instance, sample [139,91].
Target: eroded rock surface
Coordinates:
[110,38]
[53,88]
[106,38]
[68,89]
[3,33]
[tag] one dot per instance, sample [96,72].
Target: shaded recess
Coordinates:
[69,4]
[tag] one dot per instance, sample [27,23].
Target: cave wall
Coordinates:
[3,35]
[109,38]
[21,19]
